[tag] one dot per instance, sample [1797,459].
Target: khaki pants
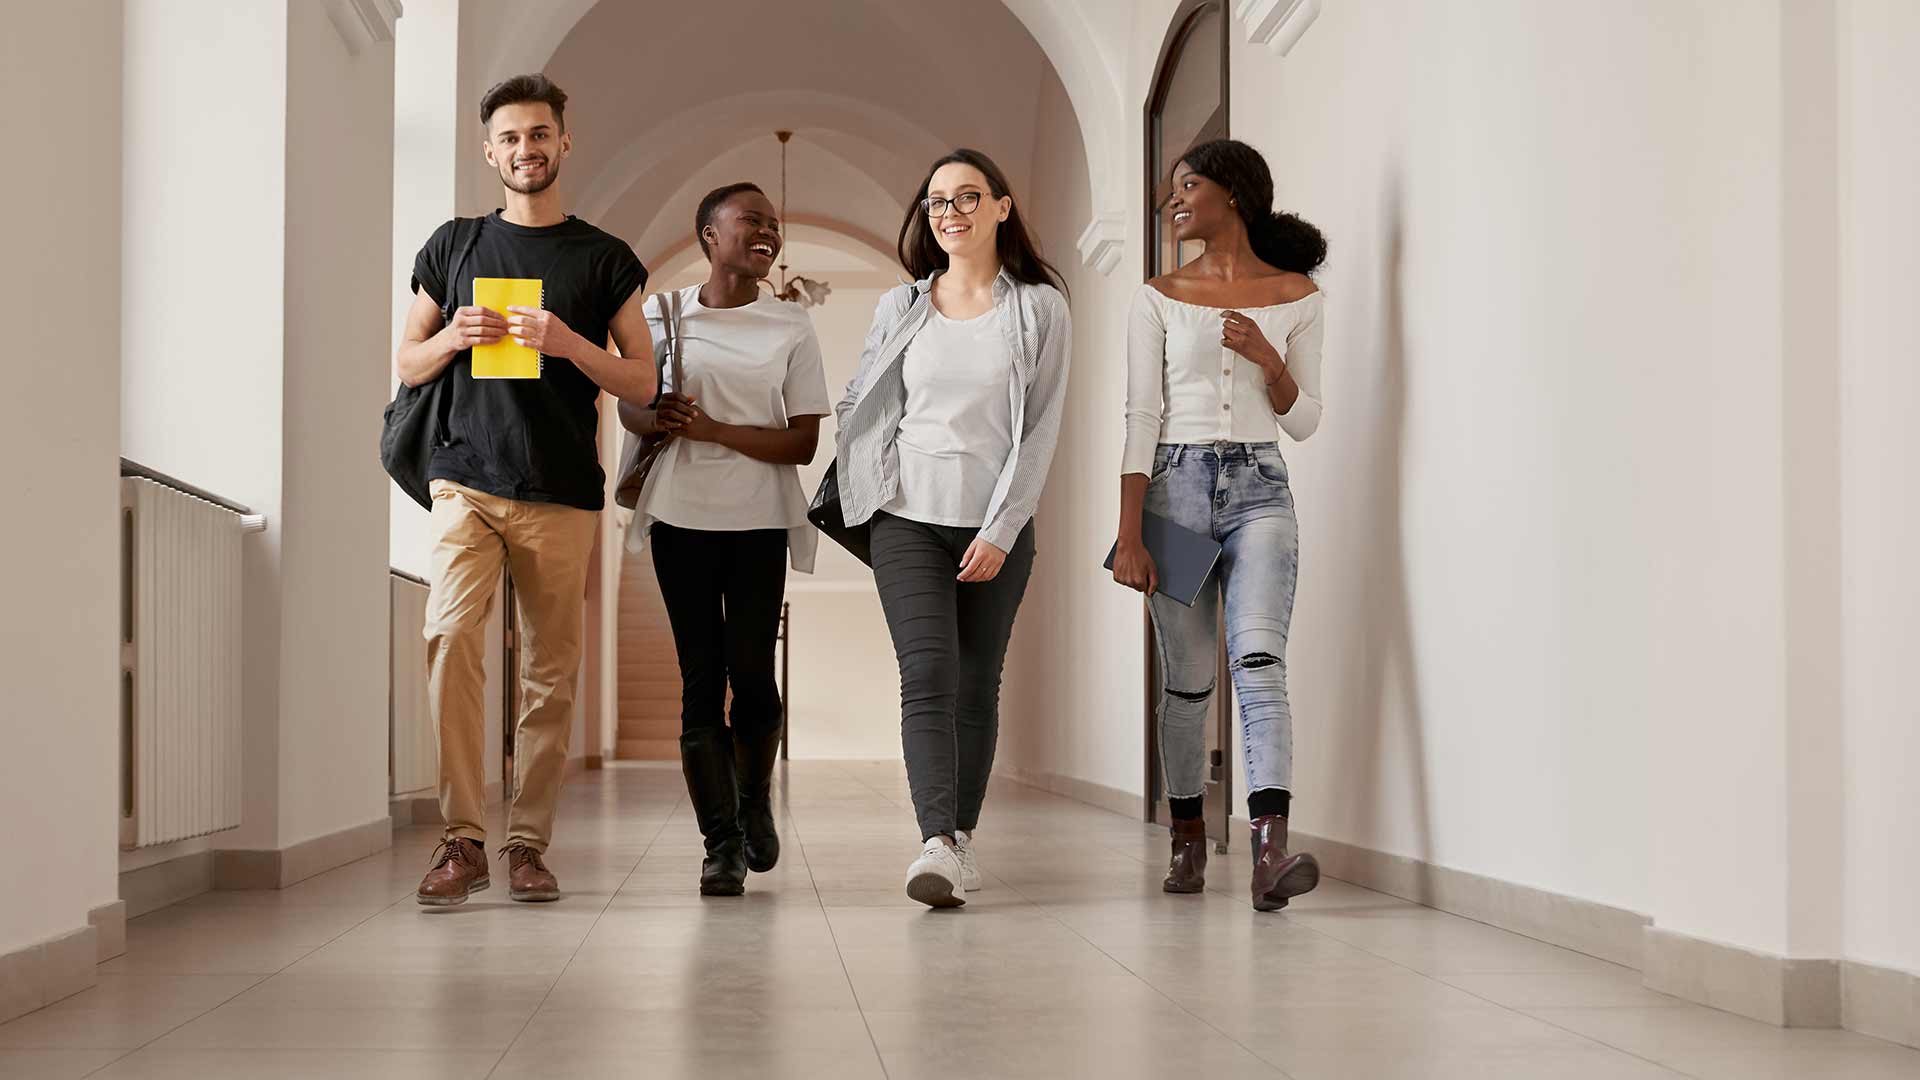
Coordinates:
[545,547]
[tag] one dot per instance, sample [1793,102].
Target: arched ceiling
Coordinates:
[664,95]
[822,253]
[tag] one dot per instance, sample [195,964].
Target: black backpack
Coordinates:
[416,418]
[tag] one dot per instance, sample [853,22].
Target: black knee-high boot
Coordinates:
[706,757]
[754,758]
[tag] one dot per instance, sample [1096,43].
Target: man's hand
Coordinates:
[473,326]
[543,332]
[678,414]
[982,562]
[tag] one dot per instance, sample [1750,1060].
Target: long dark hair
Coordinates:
[921,253]
[1281,240]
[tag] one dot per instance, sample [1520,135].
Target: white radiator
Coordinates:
[180,658]
[415,761]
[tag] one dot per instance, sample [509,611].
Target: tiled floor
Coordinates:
[1070,963]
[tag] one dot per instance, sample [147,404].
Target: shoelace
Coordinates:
[523,853]
[447,851]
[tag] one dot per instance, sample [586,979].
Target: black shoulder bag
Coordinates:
[826,512]
[638,453]
[416,418]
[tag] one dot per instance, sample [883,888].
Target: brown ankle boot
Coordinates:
[528,879]
[1278,876]
[1187,870]
[459,870]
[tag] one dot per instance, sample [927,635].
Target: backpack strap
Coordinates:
[466,233]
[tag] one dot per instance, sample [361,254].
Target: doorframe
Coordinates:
[1173,46]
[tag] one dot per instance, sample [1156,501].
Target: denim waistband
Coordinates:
[1225,451]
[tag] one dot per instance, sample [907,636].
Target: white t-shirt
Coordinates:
[957,430]
[754,365]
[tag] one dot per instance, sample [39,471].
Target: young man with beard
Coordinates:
[516,479]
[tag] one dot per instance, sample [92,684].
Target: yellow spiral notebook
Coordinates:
[506,358]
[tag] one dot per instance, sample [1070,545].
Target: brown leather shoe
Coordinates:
[1278,876]
[528,878]
[1187,871]
[459,870]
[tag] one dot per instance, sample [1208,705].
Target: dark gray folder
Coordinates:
[1183,558]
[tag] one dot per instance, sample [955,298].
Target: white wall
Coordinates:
[1879,275]
[427,124]
[339,228]
[59,423]
[206,407]
[277,406]
[1542,520]
[1569,547]
[1071,704]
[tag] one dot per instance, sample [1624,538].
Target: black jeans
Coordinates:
[723,592]
[951,641]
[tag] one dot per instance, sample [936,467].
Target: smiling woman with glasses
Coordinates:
[946,435]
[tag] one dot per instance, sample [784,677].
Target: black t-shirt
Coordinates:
[531,439]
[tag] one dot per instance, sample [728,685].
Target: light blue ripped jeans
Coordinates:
[1236,493]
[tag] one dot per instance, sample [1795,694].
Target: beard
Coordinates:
[533,186]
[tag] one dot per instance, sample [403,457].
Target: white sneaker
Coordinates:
[934,877]
[969,866]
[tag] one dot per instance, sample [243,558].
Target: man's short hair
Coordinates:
[522,89]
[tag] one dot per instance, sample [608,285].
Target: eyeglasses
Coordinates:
[966,203]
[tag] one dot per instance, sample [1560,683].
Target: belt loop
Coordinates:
[1179,451]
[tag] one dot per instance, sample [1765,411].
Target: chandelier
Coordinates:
[803,291]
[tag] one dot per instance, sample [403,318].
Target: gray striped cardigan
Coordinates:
[1040,337]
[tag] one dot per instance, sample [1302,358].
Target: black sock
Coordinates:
[1268,801]
[1186,809]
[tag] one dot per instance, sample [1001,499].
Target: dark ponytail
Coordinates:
[1286,242]
[1281,240]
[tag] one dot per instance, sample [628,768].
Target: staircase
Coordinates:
[649,672]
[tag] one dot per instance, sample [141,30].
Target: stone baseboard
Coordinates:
[1784,991]
[1124,803]
[1585,926]
[423,807]
[151,888]
[278,868]
[40,974]
[109,922]
[1778,990]
[1881,1002]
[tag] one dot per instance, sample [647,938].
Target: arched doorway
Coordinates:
[1186,105]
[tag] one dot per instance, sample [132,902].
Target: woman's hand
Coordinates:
[680,416]
[982,562]
[1244,336]
[1133,566]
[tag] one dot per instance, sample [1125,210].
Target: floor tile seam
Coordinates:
[812,883]
[262,977]
[658,832]
[1577,1034]
[1148,983]
[124,1055]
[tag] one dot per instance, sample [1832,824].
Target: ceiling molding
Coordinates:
[361,23]
[1278,24]
[1101,242]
